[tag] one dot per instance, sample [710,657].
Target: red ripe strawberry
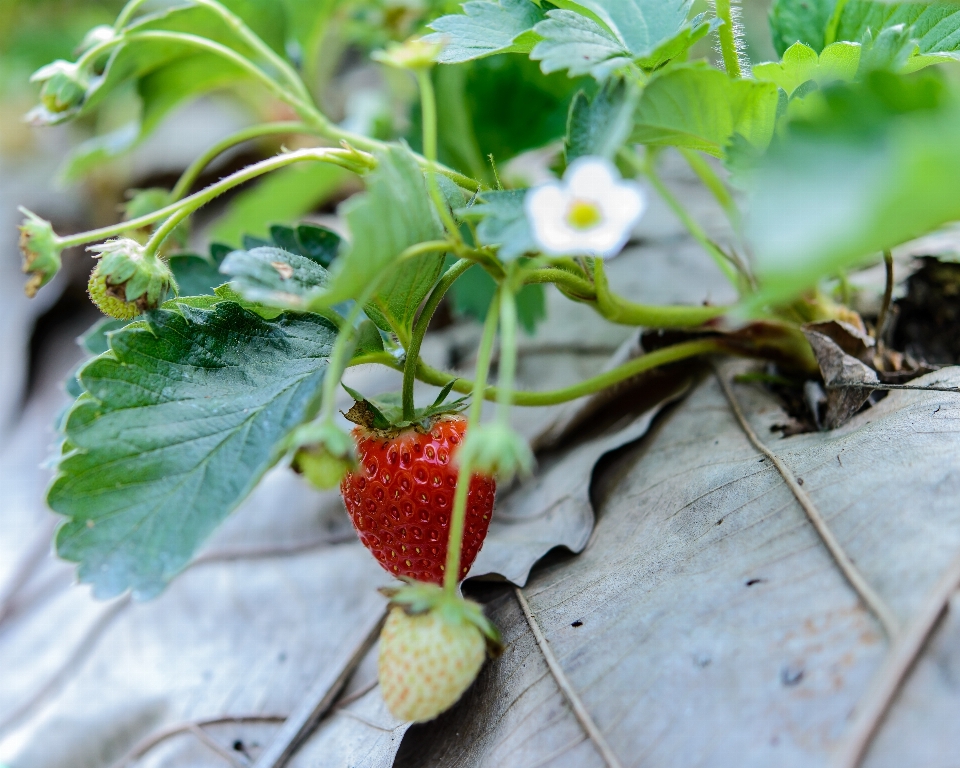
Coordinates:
[401,498]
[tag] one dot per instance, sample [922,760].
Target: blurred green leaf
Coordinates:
[803,21]
[473,292]
[502,221]
[601,125]
[698,107]
[860,168]
[801,64]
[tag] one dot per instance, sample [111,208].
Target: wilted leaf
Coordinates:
[706,617]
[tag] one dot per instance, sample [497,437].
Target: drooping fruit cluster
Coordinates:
[431,649]
[401,498]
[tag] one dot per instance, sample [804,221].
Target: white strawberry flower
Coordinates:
[590,213]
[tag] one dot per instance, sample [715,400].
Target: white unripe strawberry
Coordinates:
[431,649]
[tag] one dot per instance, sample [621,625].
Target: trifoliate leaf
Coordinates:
[180,420]
[934,26]
[486,27]
[698,107]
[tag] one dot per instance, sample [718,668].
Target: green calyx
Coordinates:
[64,86]
[384,414]
[41,252]
[127,281]
[416,598]
[323,454]
[498,450]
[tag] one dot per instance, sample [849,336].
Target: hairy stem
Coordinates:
[451,576]
[420,330]
[190,176]
[728,39]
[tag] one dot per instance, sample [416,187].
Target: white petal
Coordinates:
[546,208]
[591,178]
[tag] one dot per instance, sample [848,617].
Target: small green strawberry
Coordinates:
[431,649]
[323,454]
[126,281]
[41,252]
[64,87]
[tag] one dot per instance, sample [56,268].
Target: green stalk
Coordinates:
[676,353]
[428,105]
[339,358]
[339,157]
[830,35]
[507,372]
[712,182]
[693,227]
[728,39]
[451,576]
[420,330]
[190,176]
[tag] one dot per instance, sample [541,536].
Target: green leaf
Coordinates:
[698,107]
[641,26]
[311,241]
[395,213]
[803,21]
[274,277]
[95,340]
[575,43]
[602,125]
[502,221]
[486,27]
[282,197]
[801,64]
[861,168]
[180,421]
[198,275]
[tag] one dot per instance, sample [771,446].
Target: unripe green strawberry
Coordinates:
[41,252]
[431,649]
[127,282]
[323,454]
[64,86]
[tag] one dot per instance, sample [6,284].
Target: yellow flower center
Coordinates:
[583,215]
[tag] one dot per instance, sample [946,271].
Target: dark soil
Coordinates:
[928,317]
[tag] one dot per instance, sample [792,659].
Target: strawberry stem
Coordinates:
[451,576]
[420,330]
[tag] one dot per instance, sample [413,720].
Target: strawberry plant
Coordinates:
[224,367]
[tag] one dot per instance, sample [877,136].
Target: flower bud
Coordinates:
[414,54]
[41,252]
[103,33]
[64,86]
[497,450]
[324,454]
[126,282]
